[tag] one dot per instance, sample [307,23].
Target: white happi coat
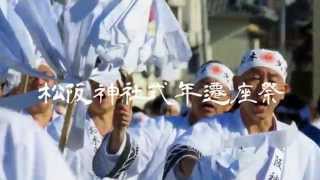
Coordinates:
[229,152]
[80,160]
[144,154]
[54,127]
[27,152]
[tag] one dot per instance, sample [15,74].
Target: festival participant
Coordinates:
[249,143]
[27,152]
[101,114]
[44,112]
[141,150]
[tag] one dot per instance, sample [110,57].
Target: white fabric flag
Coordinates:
[83,43]
[16,50]
[82,33]
[170,41]
[122,33]
[58,10]
[171,50]
[3,7]
[24,34]
[38,17]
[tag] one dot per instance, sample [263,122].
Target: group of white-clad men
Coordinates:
[229,131]
[212,141]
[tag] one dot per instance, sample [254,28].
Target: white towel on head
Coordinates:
[217,71]
[264,58]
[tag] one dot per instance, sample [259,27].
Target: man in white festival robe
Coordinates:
[141,150]
[249,143]
[27,152]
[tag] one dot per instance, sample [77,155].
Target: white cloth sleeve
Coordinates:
[104,162]
[312,169]
[136,151]
[27,151]
[203,170]
[189,144]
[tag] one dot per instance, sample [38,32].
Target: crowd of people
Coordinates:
[243,125]
[206,141]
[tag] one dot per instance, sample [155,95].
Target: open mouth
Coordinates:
[104,96]
[261,107]
[261,103]
[207,105]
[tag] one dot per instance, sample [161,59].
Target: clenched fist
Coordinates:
[122,117]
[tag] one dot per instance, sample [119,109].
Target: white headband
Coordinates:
[217,71]
[264,58]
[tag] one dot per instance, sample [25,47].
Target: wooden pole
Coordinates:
[25,82]
[67,122]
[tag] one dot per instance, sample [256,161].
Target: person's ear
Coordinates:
[286,90]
